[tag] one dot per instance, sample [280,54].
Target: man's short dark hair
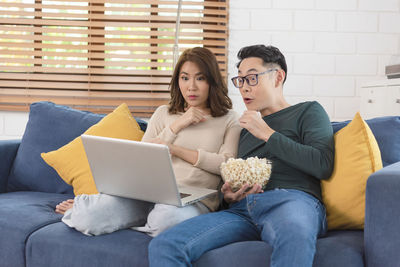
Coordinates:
[269,55]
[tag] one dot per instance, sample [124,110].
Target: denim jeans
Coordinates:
[289,220]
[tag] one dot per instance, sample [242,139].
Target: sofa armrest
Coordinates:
[382,217]
[8,151]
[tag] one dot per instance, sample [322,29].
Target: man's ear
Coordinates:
[280,77]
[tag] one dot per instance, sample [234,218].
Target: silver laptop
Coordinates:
[137,170]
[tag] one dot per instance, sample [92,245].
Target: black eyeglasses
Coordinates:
[251,79]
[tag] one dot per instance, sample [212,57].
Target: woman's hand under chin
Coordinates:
[191,116]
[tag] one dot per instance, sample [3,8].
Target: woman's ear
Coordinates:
[280,77]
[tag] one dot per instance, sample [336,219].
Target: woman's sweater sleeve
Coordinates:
[157,127]
[211,162]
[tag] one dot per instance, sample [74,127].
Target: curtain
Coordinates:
[94,55]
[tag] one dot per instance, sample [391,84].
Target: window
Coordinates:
[93,55]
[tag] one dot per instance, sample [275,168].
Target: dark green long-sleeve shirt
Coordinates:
[301,149]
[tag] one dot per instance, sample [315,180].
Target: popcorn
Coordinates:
[239,172]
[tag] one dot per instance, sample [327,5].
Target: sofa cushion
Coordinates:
[337,248]
[64,246]
[49,127]
[247,253]
[129,248]
[21,214]
[357,156]
[340,248]
[387,133]
[70,161]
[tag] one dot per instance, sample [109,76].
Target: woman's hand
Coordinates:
[157,141]
[162,142]
[191,116]
[188,155]
[232,197]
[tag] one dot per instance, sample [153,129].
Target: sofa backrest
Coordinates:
[387,133]
[49,127]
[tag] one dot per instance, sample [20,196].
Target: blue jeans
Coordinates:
[289,220]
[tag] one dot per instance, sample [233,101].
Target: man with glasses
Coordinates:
[288,213]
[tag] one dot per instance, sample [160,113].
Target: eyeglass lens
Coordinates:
[251,80]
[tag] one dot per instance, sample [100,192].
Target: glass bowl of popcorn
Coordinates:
[253,170]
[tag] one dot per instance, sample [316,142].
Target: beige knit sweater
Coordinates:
[216,139]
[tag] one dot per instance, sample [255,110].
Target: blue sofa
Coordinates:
[31,233]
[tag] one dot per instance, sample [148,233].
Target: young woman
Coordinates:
[201,132]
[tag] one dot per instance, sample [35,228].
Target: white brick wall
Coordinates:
[376,43]
[299,85]
[336,5]
[388,22]
[1,124]
[267,19]
[293,4]
[357,22]
[356,65]
[335,43]
[381,5]
[314,64]
[317,21]
[240,4]
[334,86]
[12,124]
[293,41]
[240,38]
[331,47]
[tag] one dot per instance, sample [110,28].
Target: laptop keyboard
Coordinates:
[183,195]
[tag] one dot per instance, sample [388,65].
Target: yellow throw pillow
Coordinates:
[70,161]
[357,156]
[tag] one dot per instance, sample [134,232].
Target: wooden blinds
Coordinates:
[93,55]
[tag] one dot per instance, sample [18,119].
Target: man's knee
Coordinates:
[289,231]
[165,248]
[300,227]
[158,245]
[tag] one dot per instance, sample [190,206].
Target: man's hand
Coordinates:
[232,197]
[191,116]
[253,122]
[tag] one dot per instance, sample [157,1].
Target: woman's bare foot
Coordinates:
[64,206]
